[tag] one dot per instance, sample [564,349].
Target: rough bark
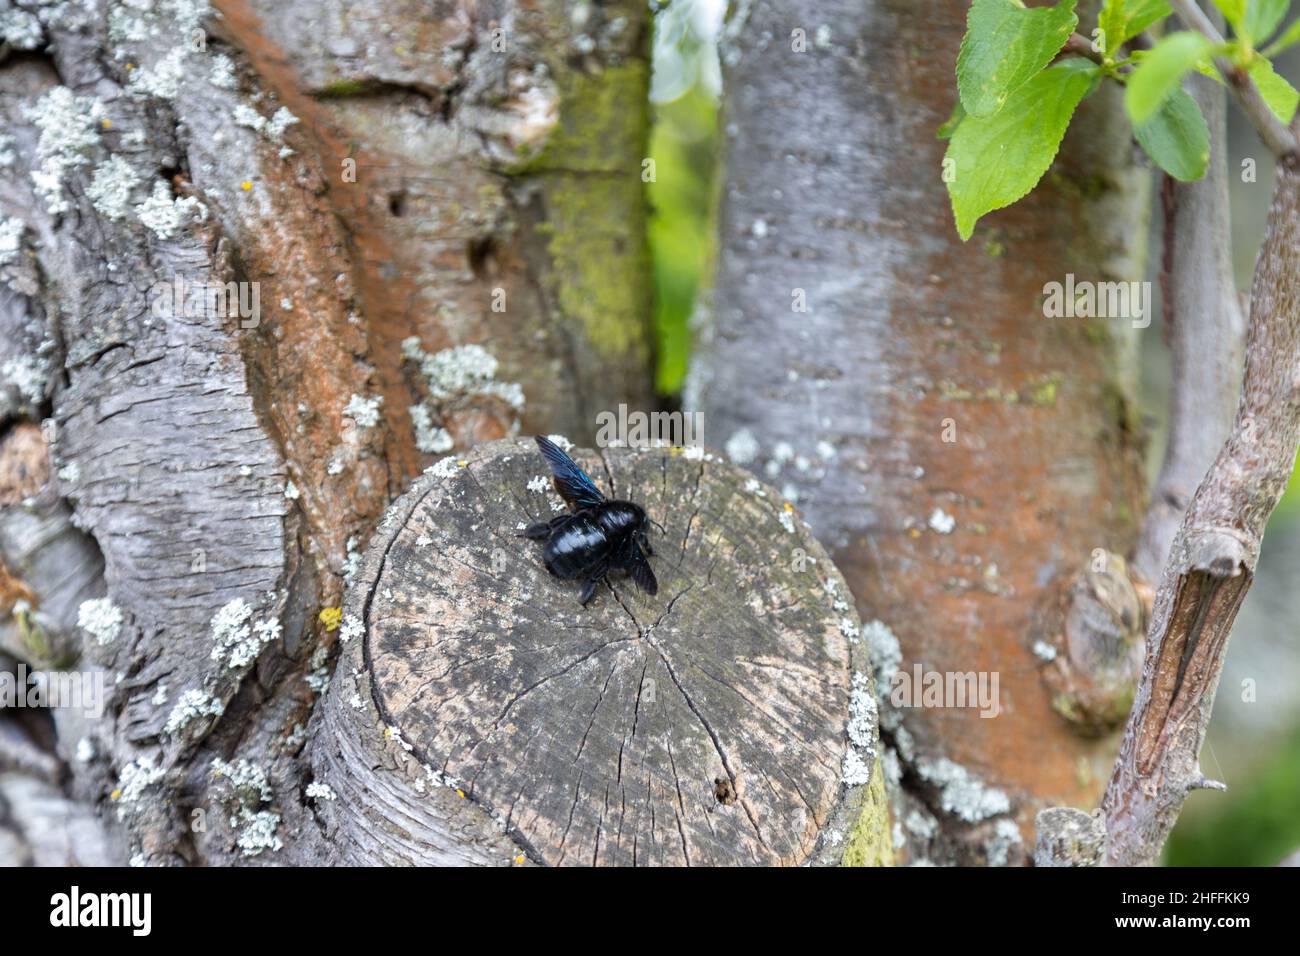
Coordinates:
[481,715]
[211,460]
[952,548]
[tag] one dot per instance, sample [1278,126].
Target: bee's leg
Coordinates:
[541,530]
[588,591]
[593,581]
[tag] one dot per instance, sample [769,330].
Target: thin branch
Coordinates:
[1280,139]
[1205,329]
[1082,46]
[1212,561]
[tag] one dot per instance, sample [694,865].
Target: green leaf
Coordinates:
[995,160]
[1287,40]
[1161,72]
[1280,95]
[950,125]
[1263,17]
[1122,20]
[1234,11]
[1207,68]
[1177,138]
[1005,45]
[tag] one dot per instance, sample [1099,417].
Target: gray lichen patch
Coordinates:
[461,386]
[247,803]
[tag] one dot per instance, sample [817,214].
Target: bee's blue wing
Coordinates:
[570,481]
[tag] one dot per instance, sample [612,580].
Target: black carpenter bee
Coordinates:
[597,536]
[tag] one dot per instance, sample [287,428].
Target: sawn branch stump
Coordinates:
[479,714]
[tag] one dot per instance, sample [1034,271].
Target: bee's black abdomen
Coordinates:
[575,547]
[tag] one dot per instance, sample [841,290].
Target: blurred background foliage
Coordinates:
[1254,739]
[684,147]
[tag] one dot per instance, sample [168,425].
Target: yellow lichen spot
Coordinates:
[388,733]
[106,123]
[914,533]
[330,617]
[463,463]
[676,450]
[130,66]
[246,185]
[115,794]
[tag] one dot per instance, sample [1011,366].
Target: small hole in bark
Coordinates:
[479,252]
[397,203]
[724,791]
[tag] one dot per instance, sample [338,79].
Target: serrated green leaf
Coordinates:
[1142,13]
[1262,18]
[1005,45]
[1289,38]
[997,159]
[1280,95]
[1161,72]
[950,125]
[1122,20]
[1111,23]
[1177,138]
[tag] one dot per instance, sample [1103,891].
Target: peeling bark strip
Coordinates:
[956,451]
[727,720]
[1212,561]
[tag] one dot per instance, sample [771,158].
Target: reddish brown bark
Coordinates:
[910,332]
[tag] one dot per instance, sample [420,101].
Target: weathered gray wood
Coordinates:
[40,826]
[705,725]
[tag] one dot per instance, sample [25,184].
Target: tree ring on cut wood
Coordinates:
[708,724]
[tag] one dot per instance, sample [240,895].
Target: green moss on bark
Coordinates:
[595,224]
[871,842]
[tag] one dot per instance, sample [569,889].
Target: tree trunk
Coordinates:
[962,457]
[434,217]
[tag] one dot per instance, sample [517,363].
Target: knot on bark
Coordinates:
[1096,633]
[1069,837]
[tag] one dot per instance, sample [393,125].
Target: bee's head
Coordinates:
[645,522]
